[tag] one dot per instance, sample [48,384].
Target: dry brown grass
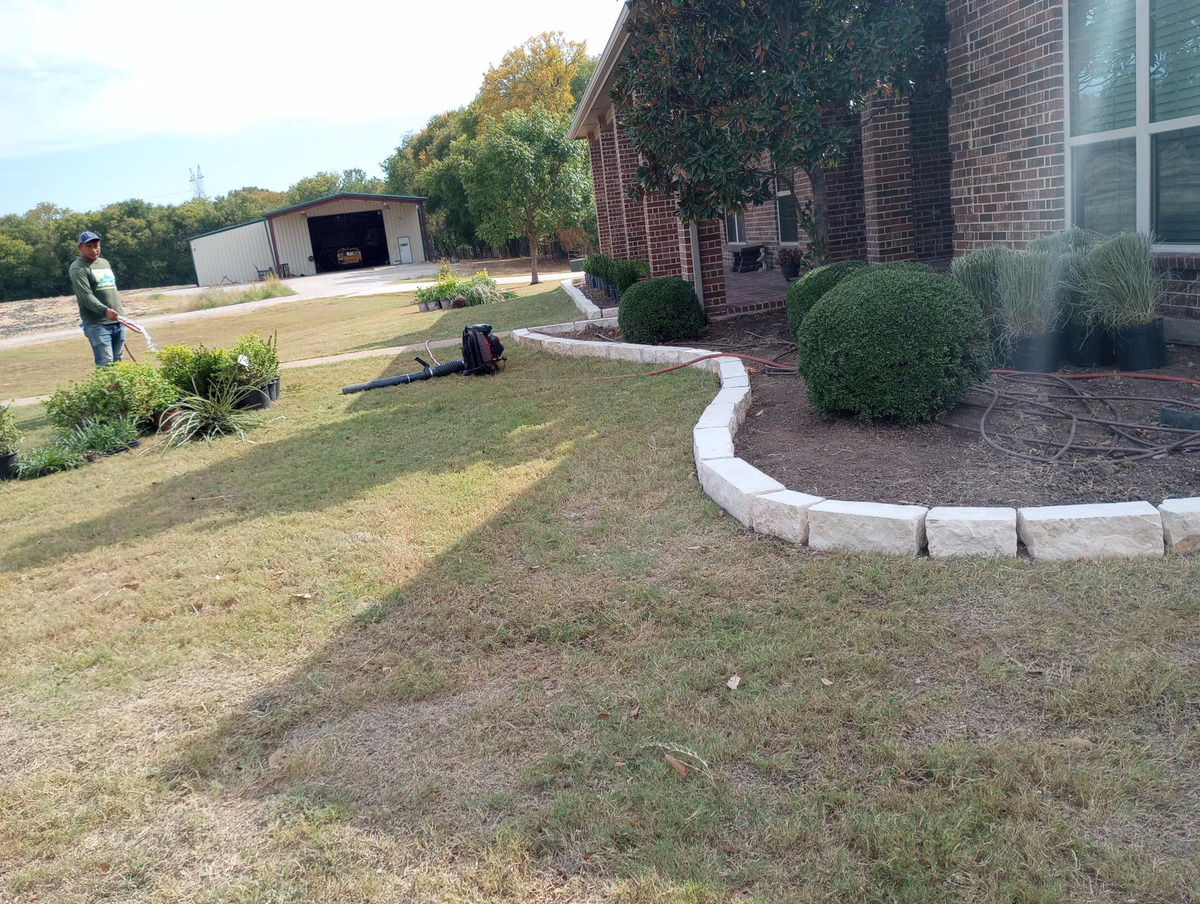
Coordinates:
[458,626]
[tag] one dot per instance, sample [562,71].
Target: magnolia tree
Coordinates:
[722,97]
[527,179]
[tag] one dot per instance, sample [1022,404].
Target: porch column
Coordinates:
[712,265]
[888,182]
[598,191]
[612,190]
[635,219]
[662,234]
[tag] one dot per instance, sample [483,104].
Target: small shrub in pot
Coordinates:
[118,391]
[1029,309]
[10,438]
[897,342]
[665,309]
[977,272]
[1124,284]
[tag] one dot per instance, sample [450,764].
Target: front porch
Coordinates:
[758,290]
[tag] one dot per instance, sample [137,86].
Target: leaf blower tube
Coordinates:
[482,354]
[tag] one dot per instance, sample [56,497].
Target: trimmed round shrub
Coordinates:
[812,286]
[895,342]
[660,310]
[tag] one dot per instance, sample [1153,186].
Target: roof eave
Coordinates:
[595,98]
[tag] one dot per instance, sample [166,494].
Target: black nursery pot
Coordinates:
[253,399]
[1037,354]
[1088,349]
[789,271]
[1141,347]
[273,390]
[8,466]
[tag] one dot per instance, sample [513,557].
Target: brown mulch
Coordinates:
[933,464]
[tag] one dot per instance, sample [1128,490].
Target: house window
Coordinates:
[786,215]
[1133,124]
[735,227]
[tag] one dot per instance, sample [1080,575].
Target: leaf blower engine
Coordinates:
[482,353]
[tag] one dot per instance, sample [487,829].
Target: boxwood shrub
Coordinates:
[896,342]
[665,309]
[812,286]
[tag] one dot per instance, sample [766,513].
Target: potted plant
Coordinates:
[790,259]
[1029,310]
[1123,285]
[10,436]
[256,370]
[1085,341]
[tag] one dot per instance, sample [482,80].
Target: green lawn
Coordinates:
[436,642]
[306,330]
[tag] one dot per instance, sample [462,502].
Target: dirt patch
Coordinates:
[38,315]
[934,463]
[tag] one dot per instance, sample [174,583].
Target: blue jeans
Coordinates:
[107,339]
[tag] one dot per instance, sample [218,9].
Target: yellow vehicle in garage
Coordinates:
[349,257]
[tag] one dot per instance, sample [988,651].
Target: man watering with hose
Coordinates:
[100,306]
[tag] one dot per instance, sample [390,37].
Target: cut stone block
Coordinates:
[1181,523]
[1124,530]
[783,514]
[722,416]
[735,382]
[867,527]
[738,396]
[732,484]
[967,531]
[730,368]
[711,442]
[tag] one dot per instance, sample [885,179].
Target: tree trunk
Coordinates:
[819,243]
[533,250]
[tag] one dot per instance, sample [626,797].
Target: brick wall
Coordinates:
[596,160]
[662,234]
[888,181]
[933,220]
[635,216]
[847,210]
[619,246]
[1006,120]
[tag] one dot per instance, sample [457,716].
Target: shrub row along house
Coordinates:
[1050,113]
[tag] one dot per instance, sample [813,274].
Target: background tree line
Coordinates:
[468,162]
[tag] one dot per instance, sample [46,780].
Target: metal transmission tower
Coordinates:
[198,184]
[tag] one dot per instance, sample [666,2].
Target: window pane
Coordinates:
[1105,180]
[1177,186]
[1175,58]
[789,228]
[735,227]
[1103,76]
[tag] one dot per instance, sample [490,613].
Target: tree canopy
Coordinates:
[539,72]
[721,97]
[528,179]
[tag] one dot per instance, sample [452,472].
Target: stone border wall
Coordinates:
[1101,530]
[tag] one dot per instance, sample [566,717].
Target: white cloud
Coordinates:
[76,75]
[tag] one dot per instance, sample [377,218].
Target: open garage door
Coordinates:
[343,241]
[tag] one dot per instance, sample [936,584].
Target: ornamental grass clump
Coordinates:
[900,343]
[49,459]
[661,310]
[101,437]
[811,288]
[1124,282]
[1028,293]
[209,416]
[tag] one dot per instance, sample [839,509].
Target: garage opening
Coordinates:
[343,241]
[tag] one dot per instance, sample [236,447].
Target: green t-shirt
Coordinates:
[95,290]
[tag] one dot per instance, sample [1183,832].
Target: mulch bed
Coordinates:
[933,464]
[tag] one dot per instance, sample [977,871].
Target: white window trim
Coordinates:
[1140,133]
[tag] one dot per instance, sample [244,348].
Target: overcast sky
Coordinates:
[100,102]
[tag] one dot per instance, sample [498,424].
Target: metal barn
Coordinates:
[338,232]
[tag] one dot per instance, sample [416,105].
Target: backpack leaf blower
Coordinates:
[482,353]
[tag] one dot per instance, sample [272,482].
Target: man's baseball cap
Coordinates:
[87,236]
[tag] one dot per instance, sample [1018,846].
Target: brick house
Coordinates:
[1053,112]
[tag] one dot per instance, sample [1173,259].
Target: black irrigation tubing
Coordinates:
[1030,393]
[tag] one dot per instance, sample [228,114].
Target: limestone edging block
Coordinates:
[589,310]
[1181,523]
[867,527]
[732,484]
[971,531]
[1126,530]
[783,514]
[711,442]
